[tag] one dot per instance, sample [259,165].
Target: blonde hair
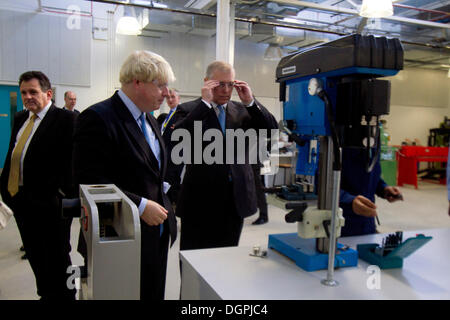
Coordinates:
[218,66]
[146,66]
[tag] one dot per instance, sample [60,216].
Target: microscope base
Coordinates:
[305,255]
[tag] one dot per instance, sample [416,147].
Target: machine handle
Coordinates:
[296,214]
[291,134]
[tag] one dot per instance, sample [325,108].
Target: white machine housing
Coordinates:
[114,262]
[312,224]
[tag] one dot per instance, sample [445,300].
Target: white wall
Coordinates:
[420,98]
[413,122]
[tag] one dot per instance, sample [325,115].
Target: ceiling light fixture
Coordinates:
[273,52]
[128,24]
[376,8]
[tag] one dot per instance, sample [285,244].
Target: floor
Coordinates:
[424,208]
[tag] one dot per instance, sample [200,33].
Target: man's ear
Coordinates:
[136,83]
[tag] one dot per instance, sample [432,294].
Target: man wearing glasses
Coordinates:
[215,198]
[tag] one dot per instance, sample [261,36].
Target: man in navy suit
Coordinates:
[216,197]
[118,141]
[37,166]
[173,176]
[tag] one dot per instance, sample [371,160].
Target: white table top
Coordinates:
[233,274]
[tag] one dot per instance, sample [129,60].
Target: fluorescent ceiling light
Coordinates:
[149,2]
[273,52]
[128,24]
[376,8]
[159,5]
[291,20]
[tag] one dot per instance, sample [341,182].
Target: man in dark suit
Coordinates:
[70,100]
[215,197]
[173,176]
[118,141]
[37,165]
[161,118]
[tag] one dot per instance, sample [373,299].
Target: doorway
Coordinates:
[10,103]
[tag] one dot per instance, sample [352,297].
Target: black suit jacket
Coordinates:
[109,147]
[47,163]
[204,185]
[46,169]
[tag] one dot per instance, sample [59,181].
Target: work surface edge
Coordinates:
[233,274]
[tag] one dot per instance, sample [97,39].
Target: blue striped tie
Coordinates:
[221,117]
[154,146]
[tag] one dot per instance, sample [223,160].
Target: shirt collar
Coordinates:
[135,111]
[215,105]
[43,112]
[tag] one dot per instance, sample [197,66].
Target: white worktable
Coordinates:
[231,273]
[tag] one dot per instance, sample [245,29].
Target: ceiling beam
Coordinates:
[338,9]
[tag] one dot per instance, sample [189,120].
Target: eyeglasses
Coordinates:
[229,85]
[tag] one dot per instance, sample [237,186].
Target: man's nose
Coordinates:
[26,95]
[228,89]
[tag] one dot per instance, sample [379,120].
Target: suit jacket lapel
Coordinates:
[45,123]
[135,132]
[231,116]
[20,120]
[171,121]
[213,119]
[157,132]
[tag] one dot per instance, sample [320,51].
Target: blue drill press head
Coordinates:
[346,70]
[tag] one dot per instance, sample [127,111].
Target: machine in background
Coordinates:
[332,98]
[439,137]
